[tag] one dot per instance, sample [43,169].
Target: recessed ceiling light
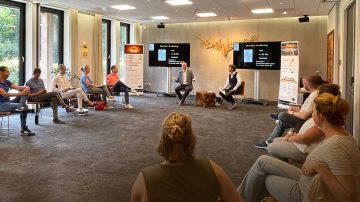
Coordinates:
[284,12]
[123,7]
[211,14]
[260,11]
[159,17]
[281,3]
[179,2]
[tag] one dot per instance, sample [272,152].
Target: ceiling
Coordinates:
[225,9]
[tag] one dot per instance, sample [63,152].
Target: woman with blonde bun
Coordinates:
[181,177]
[330,173]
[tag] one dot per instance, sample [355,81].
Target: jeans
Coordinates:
[286,150]
[285,121]
[52,97]
[103,90]
[228,95]
[181,87]
[121,87]
[11,107]
[273,176]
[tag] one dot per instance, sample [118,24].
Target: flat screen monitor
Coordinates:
[168,54]
[257,55]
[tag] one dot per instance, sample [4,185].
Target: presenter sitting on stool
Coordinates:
[231,87]
[185,78]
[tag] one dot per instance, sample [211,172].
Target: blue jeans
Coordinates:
[285,121]
[11,107]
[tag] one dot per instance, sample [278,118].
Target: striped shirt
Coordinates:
[338,153]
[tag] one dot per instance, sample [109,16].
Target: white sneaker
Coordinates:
[128,106]
[135,92]
[108,107]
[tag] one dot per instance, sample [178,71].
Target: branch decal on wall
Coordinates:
[224,47]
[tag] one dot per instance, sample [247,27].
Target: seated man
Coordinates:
[185,78]
[61,84]
[231,87]
[295,117]
[116,85]
[38,93]
[7,106]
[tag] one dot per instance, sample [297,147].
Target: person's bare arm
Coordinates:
[341,186]
[301,115]
[40,92]
[6,94]
[310,136]
[138,191]
[228,192]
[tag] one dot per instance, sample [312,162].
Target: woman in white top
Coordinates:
[330,173]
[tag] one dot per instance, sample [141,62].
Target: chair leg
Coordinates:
[8,126]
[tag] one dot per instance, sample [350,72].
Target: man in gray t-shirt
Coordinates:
[38,93]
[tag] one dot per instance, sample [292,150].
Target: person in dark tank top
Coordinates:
[181,177]
[231,87]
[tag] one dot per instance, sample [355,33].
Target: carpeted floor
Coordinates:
[97,157]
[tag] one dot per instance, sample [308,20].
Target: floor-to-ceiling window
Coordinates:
[50,42]
[124,39]
[12,39]
[106,37]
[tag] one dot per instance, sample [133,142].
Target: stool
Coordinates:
[2,114]
[205,99]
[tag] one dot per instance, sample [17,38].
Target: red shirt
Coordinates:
[111,79]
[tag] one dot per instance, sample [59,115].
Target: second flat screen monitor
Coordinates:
[168,54]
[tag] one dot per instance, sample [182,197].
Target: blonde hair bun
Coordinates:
[175,133]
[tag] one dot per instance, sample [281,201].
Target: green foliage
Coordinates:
[55,71]
[13,65]
[9,33]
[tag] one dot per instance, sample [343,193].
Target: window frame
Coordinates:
[108,48]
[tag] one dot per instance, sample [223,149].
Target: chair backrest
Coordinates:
[241,90]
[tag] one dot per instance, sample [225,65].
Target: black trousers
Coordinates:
[228,95]
[181,87]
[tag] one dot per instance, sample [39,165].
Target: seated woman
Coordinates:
[181,176]
[89,87]
[335,162]
[296,146]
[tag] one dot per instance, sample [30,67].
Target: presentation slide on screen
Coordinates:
[257,55]
[168,55]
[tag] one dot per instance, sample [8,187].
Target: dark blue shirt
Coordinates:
[5,86]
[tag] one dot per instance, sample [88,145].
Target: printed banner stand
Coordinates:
[134,67]
[289,74]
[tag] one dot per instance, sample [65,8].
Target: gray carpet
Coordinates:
[97,157]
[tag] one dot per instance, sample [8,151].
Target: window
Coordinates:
[124,39]
[106,37]
[12,39]
[51,43]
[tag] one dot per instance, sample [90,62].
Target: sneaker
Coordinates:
[82,113]
[181,103]
[128,106]
[262,145]
[21,109]
[59,121]
[70,109]
[133,91]
[108,107]
[26,132]
[232,105]
[274,116]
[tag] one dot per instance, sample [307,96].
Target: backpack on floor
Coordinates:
[100,105]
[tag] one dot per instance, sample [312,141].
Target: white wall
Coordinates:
[210,67]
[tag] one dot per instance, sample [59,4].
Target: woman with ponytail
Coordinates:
[181,177]
[331,171]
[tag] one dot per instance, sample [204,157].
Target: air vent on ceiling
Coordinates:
[330,1]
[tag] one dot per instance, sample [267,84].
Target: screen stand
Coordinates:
[256,99]
[168,87]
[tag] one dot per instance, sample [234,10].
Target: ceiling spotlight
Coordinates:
[123,7]
[284,13]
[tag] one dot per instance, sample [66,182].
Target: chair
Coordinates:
[2,114]
[38,106]
[241,91]
[191,98]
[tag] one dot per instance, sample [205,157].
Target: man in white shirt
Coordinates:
[231,87]
[185,78]
[61,84]
[295,117]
